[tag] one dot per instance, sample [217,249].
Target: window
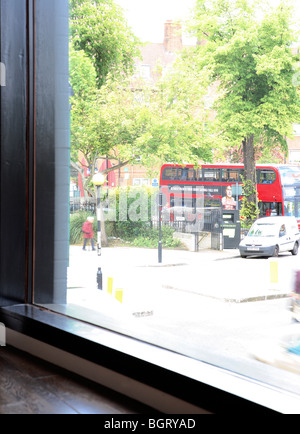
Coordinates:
[231,175]
[268,209]
[140,181]
[266,176]
[145,72]
[170,307]
[170,174]
[294,157]
[211,175]
[198,173]
[290,175]
[282,231]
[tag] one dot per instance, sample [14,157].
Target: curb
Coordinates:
[233,299]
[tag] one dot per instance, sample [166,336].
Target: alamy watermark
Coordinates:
[186,204]
[2,335]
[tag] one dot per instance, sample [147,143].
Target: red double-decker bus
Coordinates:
[278,187]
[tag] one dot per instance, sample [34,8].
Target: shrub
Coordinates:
[119,222]
[150,238]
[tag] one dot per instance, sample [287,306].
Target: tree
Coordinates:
[126,120]
[104,45]
[135,124]
[246,50]
[98,27]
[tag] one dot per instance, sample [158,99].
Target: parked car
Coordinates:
[270,236]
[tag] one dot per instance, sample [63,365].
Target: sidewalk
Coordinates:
[175,289]
[217,274]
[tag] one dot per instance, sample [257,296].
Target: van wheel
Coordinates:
[276,252]
[295,249]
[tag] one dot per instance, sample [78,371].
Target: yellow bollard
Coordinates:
[274,273]
[110,281]
[119,295]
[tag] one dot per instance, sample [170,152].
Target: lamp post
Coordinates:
[160,199]
[98,181]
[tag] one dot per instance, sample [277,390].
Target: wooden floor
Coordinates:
[31,386]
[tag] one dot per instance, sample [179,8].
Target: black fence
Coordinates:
[77,204]
[181,219]
[185,221]
[202,220]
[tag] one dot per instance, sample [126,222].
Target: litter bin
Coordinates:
[231,229]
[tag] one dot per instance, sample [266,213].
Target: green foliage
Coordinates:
[247,56]
[133,222]
[130,219]
[149,238]
[99,28]
[249,210]
[127,120]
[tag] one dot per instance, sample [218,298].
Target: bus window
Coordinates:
[181,175]
[190,174]
[169,174]
[186,174]
[198,174]
[266,176]
[211,175]
[268,209]
[230,175]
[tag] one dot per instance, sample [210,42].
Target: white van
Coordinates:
[270,236]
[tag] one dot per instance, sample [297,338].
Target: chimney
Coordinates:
[173,37]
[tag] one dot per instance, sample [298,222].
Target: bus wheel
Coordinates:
[276,252]
[295,249]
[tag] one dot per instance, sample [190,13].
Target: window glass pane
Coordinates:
[266,176]
[290,175]
[191,174]
[170,173]
[204,302]
[198,174]
[290,208]
[230,175]
[268,209]
[211,175]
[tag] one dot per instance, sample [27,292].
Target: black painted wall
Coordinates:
[34,141]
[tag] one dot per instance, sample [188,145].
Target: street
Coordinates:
[199,304]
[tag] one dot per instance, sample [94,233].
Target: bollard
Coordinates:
[119,295]
[274,272]
[110,281]
[99,279]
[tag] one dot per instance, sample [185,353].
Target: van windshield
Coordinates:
[262,230]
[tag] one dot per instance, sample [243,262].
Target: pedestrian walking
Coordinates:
[88,232]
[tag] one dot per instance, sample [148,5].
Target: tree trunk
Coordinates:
[249,159]
[250,190]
